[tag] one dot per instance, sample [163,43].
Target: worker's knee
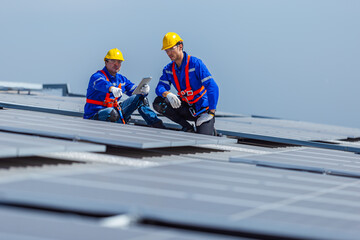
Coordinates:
[107,114]
[159,105]
[114,116]
[145,101]
[207,128]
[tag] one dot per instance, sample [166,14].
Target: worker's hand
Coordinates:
[116,91]
[205,117]
[174,100]
[145,89]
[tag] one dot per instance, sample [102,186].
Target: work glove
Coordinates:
[116,92]
[174,100]
[144,90]
[205,117]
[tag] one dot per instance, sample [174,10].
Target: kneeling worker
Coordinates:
[105,89]
[198,93]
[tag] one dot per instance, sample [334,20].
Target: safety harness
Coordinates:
[108,102]
[188,95]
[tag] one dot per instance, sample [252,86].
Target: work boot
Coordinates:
[189,128]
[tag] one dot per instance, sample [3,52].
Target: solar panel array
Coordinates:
[163,184]
[31,226]
[264,129]
[289,132]
[308,159]
[208,194]
[71,106]
[16,145]
[74,128]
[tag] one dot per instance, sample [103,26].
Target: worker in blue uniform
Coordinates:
[197,92]
[105,89]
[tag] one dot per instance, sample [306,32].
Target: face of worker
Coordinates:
[175,53]
[113,66]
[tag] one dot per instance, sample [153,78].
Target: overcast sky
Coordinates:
[292,59]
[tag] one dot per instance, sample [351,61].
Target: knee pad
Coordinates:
[145,101]
[159,105]
[114,116]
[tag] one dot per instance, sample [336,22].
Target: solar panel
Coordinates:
[308,159]
[287,135]
[31,225]
[74,128]
[71,106]
[215,195]
[16,145]
[299,129]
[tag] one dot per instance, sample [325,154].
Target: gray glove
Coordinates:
[145,89]
[174,100]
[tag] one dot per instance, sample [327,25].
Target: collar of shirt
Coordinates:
[111,77]
[183,63]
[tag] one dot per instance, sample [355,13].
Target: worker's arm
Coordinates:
[164,84]
[128,86]
[209,83]
[99,83]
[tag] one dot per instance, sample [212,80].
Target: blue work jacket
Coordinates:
[199,76]
[98,88]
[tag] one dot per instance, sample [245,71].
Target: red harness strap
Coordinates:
[188,94]
[108,101]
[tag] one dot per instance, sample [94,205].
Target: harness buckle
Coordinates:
[187,93]
[192,112]
[105,103]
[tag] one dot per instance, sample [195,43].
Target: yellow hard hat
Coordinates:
[170,40]
[114,54]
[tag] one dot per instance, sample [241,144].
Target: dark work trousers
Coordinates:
[182,115]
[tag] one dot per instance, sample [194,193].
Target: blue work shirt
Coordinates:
[199,76]
[98,88]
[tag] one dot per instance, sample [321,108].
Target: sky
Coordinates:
[290,59]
